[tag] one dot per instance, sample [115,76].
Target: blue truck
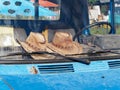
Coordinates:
[97,69]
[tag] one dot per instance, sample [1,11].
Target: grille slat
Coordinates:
[62,71]
[55,72]
[115,67]
[114,64]
[56,67]
[63,65]
[49,69]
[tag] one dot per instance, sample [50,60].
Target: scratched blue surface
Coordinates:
[4,85]
[96,76]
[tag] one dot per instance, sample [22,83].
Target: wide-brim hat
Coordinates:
[63,44]
[36,42]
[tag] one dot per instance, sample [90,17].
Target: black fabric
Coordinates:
[74,14]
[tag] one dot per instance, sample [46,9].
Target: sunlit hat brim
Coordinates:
[77,49]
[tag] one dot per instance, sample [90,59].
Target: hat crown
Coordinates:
[36,41]
[62,40]
[36,38]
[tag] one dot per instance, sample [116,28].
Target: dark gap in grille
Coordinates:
[49,69]
[114,64]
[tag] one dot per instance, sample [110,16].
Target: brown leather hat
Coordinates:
[36,42]
[62,43]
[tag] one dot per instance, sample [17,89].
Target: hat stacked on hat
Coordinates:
[63,44]
[36,42]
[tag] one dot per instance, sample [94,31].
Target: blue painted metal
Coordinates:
[96,76]
[19,10]
[112,9]
[23,69]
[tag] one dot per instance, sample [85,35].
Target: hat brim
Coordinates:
[29,49]
[77,49]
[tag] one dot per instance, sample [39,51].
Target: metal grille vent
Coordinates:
[114,64]
[49,69]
